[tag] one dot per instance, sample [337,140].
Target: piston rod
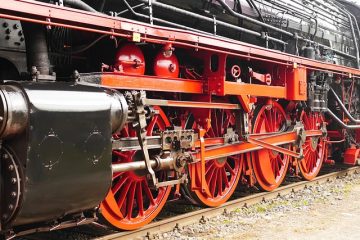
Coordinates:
[159,163]
[132,166]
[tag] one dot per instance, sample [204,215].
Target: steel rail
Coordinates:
[195,216]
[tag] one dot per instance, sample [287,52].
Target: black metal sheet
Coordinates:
[68,158]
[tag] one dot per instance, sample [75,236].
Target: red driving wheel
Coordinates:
[314,147]
[222,174]
[132,202]
[270,167]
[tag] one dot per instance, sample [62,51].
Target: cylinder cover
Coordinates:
[61,143]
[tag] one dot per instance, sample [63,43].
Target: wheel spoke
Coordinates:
[120,154]
[210,174]
[116,175]
[148,193]
[220,183]
[152,123]
[130,203]
[213,181]
[123,195]
[225,179]
[227,166]
[119,184]
[139,198]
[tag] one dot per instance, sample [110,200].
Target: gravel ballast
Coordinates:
[317,212]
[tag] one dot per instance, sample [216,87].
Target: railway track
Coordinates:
[166,223]
[196,216]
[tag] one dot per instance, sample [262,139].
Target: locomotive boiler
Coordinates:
[109,108]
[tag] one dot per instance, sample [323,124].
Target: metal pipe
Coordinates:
[341,122]
[131,166]
[131,9]
[249,19]
[37,54]
[191,14]
[80,5]
[14,112]
[354,37]
[204,18]
[325,17]
[327,47]
[347,113]
[165,163]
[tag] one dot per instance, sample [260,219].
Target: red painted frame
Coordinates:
[53,15]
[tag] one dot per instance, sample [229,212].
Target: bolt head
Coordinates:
[11,167]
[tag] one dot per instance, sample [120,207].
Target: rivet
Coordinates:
[13,194]
[11,167]
[13,180]
[11,207]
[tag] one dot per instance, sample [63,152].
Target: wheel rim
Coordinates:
[132,203]
[222,175]
[314,147]
[270,167]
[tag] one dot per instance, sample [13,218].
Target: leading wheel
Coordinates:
[132,202]
[314,147]
[269,166]
[222,174]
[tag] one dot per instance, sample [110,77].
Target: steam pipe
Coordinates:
[131,9]
[227,8]
[204,18]
[37,54]
[80,5]
[249,19]
[341,122]
[347,113]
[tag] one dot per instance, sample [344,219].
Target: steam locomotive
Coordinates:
[108,108]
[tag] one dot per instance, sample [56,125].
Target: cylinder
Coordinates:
[118,110]
[14,112]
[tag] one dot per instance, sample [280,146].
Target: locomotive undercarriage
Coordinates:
[157,116]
